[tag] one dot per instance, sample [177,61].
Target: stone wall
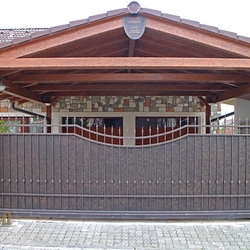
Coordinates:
[120,104]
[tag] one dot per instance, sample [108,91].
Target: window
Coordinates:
[89,122]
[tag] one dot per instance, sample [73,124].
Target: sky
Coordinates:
[230,15]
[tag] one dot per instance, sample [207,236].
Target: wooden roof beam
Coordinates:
[22,93]
[131,87]
[234,93]
[211,39]
[128,93]
[124,63]
[61,38]
[131,48]
[131,51]
[226,78]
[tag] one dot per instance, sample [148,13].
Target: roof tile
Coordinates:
[97,17]
[171,17]
[40,33]
[11,34]
[21,35]
[21,39]
[77,23]
[116,12]
[152,12]
[190,22]
[244,39]
[59,28]
[5,44]
[228,33]
[209,28]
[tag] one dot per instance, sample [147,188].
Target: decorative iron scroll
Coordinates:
[134,26]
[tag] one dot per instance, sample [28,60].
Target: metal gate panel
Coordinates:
[227,176]
[69,173]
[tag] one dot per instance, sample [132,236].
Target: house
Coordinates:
[136,71]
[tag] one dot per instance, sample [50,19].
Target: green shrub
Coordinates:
[3,129]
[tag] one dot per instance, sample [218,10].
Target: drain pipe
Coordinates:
[27,112]
[222,117]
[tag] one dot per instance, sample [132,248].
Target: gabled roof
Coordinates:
[94,56]
[14,35]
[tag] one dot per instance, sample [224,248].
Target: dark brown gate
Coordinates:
[67,175]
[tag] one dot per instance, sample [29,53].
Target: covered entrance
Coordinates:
[194,173]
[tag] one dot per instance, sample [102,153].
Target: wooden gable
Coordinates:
[95,57]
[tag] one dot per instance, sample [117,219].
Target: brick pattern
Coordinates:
[129,104]
[7,35]
[138,234]
[120,104]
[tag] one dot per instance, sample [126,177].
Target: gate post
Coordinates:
[208,113]
[49,117]
[129,129]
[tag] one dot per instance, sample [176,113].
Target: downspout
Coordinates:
[27,112]
[222,117]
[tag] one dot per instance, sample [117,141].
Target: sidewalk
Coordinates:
[49,234]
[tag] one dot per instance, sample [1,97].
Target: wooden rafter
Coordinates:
[131,51]
[237,92]
[130,87]
[132,78]
[128,93]
[23,93]
[131,48]
[125,63]
[206,38]
[177,46]
[62,38]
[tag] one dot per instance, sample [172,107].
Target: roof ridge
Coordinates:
[197,24]
[6,41]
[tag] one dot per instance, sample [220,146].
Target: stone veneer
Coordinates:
[120,104]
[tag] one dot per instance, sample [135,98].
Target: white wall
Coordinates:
[241,110]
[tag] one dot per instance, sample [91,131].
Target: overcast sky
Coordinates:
[230,15]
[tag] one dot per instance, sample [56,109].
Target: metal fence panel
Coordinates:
[67,172]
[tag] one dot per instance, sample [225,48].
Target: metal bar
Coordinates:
[188,127]
[89,175]
[246,171]
[180,173]
[142,175]
[104,176]
[130,196]
[202,173]
[134,215]
[112,157]
[53,168]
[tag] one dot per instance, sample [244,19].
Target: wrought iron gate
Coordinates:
[65,173]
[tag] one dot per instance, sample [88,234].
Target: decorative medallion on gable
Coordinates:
[134,24]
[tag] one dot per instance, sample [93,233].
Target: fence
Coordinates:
[58,173]
[120,136]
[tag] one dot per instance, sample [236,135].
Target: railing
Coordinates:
[121,136]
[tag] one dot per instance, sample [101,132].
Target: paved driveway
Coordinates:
[134,235]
